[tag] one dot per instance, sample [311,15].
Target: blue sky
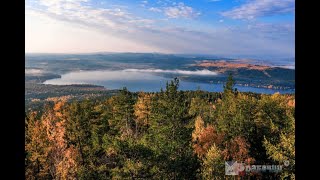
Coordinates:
[244,28]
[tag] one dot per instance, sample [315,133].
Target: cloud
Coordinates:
[180,10]
[204,72]
[154,9]
[80,11]
[88,30]
[86,77]
[175,10]
[273,28]
[116,29]
[33,71]
[260,8]
[143,3]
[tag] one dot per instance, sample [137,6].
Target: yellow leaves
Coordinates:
[275,96]
[219,100]
[243,96]
[274,128]
[273,151]
[111,151]
[213,154]
[142,109]
[212,167]
[275,107]
[283,150]
[199,126]
[288,143]
[283,100]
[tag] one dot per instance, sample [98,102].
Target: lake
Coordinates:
[147,80]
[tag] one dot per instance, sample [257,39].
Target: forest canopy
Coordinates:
[170,134]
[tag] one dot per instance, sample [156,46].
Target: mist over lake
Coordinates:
[148,80]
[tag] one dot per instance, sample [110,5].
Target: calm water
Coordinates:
[145,80]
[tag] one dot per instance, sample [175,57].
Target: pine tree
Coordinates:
[229,84]
[169,135]
[122,121]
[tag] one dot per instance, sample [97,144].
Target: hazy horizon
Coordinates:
[262,57]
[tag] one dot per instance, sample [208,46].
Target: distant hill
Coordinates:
[247,72]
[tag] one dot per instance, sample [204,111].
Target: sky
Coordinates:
[244,28]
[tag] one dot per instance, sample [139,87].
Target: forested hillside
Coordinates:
[170,134]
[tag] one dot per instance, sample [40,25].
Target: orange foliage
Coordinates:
[61,157]
[291,103]
[238,150]
[67,167]
[205,137]
[59,98]
[38,149]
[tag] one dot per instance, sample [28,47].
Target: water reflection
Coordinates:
[142,80]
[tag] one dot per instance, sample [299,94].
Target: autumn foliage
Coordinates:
[52,155]
[204,137]
[171,134]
